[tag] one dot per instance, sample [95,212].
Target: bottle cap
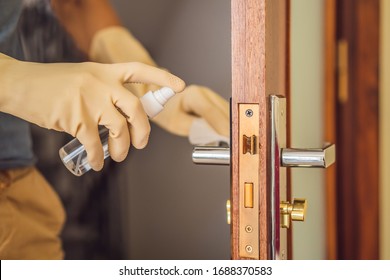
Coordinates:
[153,101]
[163,95]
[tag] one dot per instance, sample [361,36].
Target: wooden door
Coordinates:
[260,47]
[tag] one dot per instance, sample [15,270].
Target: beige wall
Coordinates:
[307,122]
[385,130]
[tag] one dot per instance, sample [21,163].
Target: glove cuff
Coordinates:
[115,44]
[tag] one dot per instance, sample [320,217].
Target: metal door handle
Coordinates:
[211,155]
[309,157]
[290,157]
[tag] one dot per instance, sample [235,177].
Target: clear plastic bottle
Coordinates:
[74,155]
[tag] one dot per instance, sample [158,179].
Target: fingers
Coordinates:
[218,101]
[218,121]
[135,127]
[182,127]
[121,130]
[139,125]
[119,137]
[88,136]
[208,105]
[136,72]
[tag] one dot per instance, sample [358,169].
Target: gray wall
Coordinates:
[170,208]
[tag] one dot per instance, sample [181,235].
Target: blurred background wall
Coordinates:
[307,119]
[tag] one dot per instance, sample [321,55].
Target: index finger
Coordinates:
[136,72]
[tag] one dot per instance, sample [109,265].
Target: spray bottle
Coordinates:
[73,154]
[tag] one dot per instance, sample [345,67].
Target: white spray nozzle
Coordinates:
[163,95]
[154,101]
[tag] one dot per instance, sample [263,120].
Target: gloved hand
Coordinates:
[192,102]
[77,97]
[116,44]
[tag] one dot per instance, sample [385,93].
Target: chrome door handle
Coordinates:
[325,157]
[211,155]
[309,157]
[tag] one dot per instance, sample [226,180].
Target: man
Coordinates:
[75,98]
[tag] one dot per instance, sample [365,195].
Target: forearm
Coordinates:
[83,18]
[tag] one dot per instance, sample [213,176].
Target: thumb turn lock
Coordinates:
[295,211]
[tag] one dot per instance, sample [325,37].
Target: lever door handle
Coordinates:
[309,157]
[322,158]
[211,155]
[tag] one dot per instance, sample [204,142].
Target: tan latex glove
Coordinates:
[116,44]
[195,101]
[77,97]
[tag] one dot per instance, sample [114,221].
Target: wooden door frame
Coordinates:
[260,54]
[352,122]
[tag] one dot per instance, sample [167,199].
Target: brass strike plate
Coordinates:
[278,178]
[249,181]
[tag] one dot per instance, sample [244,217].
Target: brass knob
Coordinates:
[295,211]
